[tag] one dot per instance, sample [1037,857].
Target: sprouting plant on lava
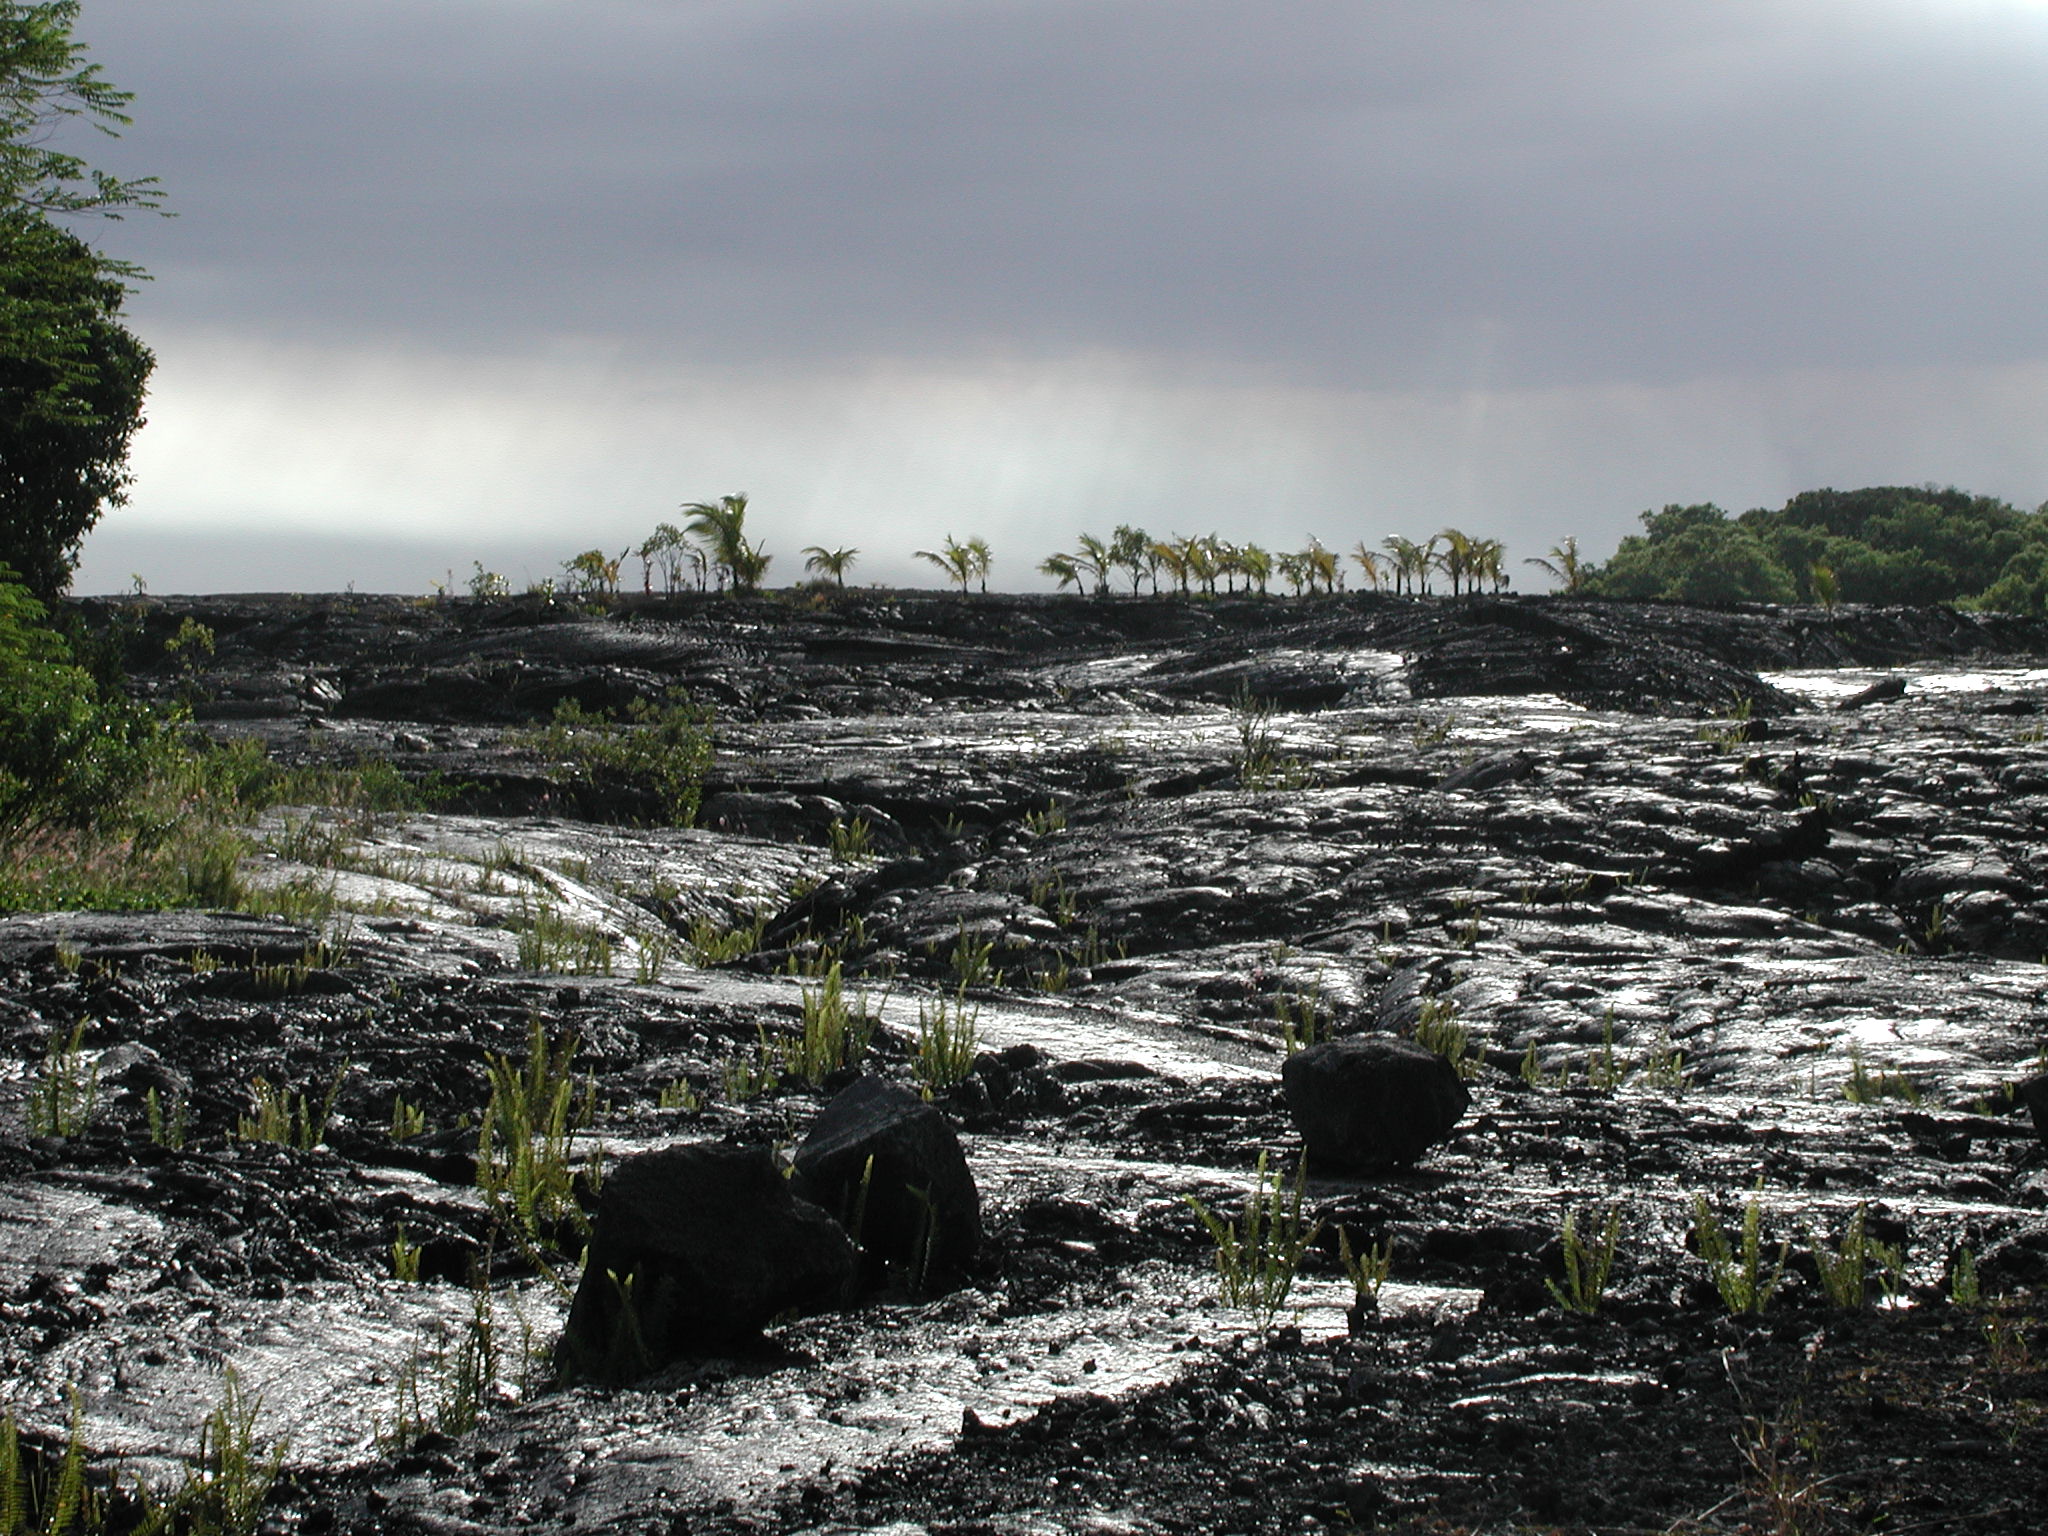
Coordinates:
[1739,1271]
[1258,1257]
[946,1043]
[1587,1263]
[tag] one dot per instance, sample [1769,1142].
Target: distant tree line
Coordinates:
[1883,544]
[1880,545]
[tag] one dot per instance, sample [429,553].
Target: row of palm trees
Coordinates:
[712,550]
[1399,564]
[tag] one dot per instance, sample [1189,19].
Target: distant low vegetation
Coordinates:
[1885,544]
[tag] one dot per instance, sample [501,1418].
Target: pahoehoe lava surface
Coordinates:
[1707,932]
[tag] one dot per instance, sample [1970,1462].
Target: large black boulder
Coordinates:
[1367,1101]
[696,1248]
[915,1209]
[2034,1094]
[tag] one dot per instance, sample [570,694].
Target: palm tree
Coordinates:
[829,562]
[979,558]
[722,530]
[1257,565]
[1489,557]
[1407,558]
[1229,564]
[1368,564]
[1095,559]
[1563,565]
[1062,569]
[1168,553]
[955,559]
[1320,565]
[1455,558]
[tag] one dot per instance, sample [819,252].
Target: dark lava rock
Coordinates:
[1369,1100]
[1488,772]
[696,1248]
[1879,692]
[2034,1094]
[920,1207]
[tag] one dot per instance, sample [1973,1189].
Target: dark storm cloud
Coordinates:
[1385,195]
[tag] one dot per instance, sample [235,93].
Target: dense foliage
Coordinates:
[1883,544]
[67,753]
[71,377]
[68,407]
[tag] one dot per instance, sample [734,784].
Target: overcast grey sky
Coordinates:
[505,279]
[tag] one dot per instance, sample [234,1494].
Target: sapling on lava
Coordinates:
[1367,1273]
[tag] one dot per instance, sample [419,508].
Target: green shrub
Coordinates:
[68,756]
[660,749]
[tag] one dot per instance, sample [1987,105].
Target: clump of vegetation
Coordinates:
[286,1119]
[35,1501]
[65,1092]
[852,841]
[1587,1264]
[548,940]
[945,1043]
[1863,1086]
[446,1383]
[1437,1028]
[1846,1267]
[526,1143]
[712,943]
[836,1031]
[1740,1273]
[1301,1018]
[659,750]
[1261,764]
[1259,1256]
[1367,1271]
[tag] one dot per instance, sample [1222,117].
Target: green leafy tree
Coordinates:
[44,82]
[70,402]
[71,377]
[1693,554]
[66,754]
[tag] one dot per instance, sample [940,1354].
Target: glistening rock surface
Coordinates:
[1680,904]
